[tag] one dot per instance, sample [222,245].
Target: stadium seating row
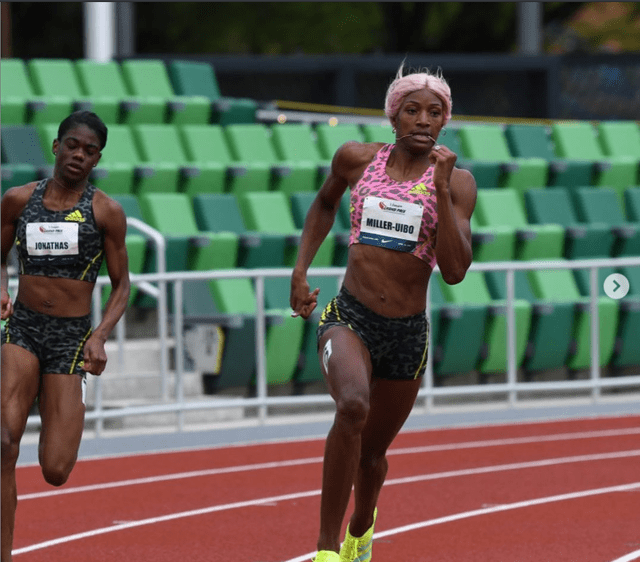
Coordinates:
[261,230]
[42,91]
[295,157]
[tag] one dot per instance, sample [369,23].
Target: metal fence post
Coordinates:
[261,370]
[512,367]
[595,332]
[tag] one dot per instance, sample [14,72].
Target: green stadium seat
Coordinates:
[271,212]
[207,143]
[252,142]
[149,177]
[582,240]
[136,247]
[58,77]
[130,206]
[559,285]
[300,204]
[492,243]
[22,147]
[488,143]
[295,142]
[551,323]
[172,214]
[474,290]
[621,139]
[15,91]
[632,203]
[379,133]
[627,351]
[486,173]
[534,141]
[163,144]
[215,212]
[548,244]
[150,78]
[578,140]
[332,137]
[190,78]
[503,207]
[457,333]
[601,205]
[17,174]
[21,103]
[104,80]
[220,212]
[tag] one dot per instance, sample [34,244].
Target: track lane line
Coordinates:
[629,557]
[311,493]
[314,460]
[495,509]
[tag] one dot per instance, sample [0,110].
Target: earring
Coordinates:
[393,130]
[443,132]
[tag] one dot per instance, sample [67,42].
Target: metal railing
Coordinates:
[157,283]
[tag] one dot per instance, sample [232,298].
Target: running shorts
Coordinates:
[398,346]
[56,341]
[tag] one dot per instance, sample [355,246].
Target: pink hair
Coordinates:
[404,85]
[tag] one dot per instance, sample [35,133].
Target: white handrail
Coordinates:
[512,387]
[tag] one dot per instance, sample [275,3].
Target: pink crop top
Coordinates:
[398,215]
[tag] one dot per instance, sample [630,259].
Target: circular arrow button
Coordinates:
[616,286]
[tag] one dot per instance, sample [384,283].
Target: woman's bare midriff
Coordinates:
[391,283]
[55,296]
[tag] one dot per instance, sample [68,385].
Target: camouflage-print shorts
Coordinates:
[398,346]
[56,341]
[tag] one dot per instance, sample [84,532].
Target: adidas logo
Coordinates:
[420,188]
[75,216]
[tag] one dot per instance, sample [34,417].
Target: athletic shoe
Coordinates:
[327,556]
[358,549]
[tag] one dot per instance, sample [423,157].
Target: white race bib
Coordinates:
[52,238]
[390,224]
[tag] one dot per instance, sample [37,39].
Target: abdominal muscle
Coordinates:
[55,296]
[391,283]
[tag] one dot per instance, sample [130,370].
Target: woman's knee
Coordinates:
[10,449]
[353,409]
[56,473]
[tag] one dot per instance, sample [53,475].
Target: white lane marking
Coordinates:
[166,477]
[314,460]
[629,557]
[286,497]
[495,509]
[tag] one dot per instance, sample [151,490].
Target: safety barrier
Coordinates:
[512,388]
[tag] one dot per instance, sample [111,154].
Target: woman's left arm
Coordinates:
[113,219]
[456,194]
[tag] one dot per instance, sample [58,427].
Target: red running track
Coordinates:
[536,492]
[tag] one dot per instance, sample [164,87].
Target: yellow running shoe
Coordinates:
[327,556]
[358,549]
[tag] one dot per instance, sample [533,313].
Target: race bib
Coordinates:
[52,239]
[390,224]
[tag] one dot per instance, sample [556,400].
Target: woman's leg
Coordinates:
[62,412]
[347,369]
[20,380]
[390,404]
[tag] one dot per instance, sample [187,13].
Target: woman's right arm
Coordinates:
[348,161]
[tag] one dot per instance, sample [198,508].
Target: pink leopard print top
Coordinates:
[385,222]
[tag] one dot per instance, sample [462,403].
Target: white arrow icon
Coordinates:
[616,286]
